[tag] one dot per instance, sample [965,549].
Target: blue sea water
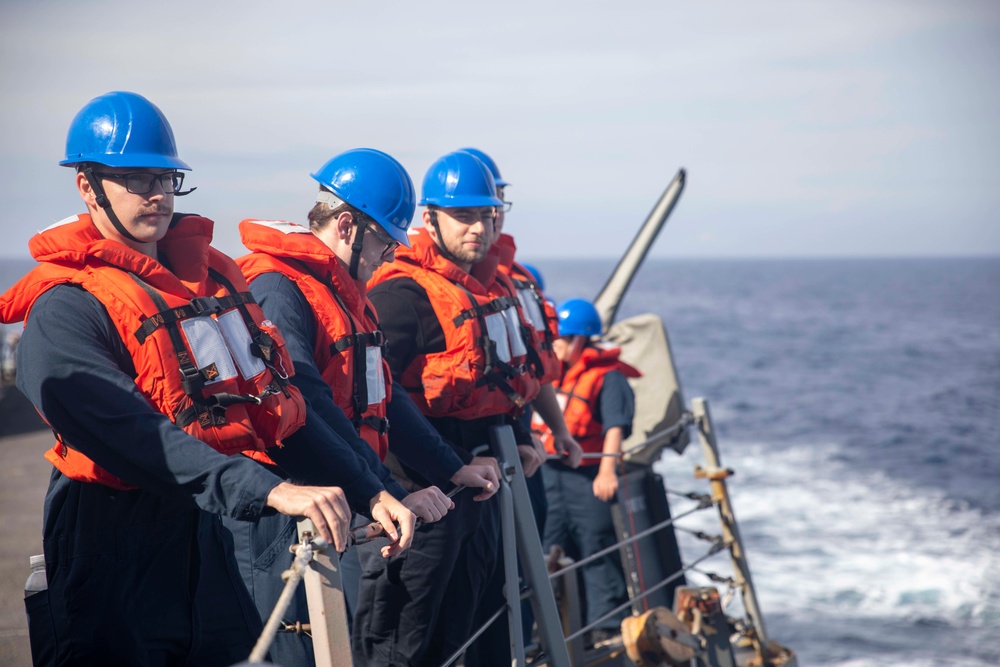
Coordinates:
[859,402]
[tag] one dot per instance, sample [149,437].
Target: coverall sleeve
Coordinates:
[74,367]
[329,448]
[617,403]
[417,443]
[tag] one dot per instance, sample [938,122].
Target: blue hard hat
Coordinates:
[490,164]
[459,179]
[578,317]
[536,274]
[374,183]
[122,129]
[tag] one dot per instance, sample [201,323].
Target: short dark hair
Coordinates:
[321,215]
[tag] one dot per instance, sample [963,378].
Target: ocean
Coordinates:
[859,403]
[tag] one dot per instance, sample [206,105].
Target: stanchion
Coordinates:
[529,548]
[511,581]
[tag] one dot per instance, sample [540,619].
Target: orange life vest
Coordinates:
[479,372]
[538,313]
[578,392]
[349,344]
[203,353]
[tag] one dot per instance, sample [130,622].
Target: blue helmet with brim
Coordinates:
[122,129]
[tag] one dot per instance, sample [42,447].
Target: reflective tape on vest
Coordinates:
[532,310]
[374,375]
[221,348]
[496,329]
[513,322]
[240,343]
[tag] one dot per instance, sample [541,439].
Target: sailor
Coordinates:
[310,282]
[598,405]
[450,346]
[151,362]
[517,282]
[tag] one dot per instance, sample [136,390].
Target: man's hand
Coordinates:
[325,506]
[479,477]
[430,504]
[606,484]
[530,459]
[488,461]
[388,511]
[566,445]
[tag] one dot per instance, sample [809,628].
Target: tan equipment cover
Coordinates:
[659,402]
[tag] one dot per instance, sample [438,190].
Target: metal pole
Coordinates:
[511,584]
[730,530]
[530,551]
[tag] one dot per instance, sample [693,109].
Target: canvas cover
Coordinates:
[659,402]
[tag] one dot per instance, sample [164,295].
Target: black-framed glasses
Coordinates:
[472,214]
[141,182]
[507,205]
[380,236]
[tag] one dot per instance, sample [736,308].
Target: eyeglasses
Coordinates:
[141,182]
[390,244]
[507,205]
[472,215]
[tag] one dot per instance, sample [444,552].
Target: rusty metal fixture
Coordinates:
[658,637]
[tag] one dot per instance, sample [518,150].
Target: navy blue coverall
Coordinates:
[581,522]
[418,607]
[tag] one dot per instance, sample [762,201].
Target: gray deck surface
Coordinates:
[24,476]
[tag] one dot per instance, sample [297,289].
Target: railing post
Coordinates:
[327,611]
[512,589]
[730,530]
[529,548]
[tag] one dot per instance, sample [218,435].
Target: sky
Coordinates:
[807,129]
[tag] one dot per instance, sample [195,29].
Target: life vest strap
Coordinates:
[494,379]
[374,339]
[497,305]
[202,306]
[379,424]
[263,343]
[192,379]
[211,411]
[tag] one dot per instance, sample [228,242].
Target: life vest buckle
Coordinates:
[203,306]
[192,381]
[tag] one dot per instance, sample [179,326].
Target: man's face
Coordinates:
[147,215]
[376,249]
[466,233]
[568,348]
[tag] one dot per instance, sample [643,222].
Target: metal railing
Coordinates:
[520,537]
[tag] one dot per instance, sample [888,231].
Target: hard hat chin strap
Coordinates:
[359,240]
[103,202]
[439,242]
[334,202]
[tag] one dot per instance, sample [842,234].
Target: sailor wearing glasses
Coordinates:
[518,283]
[455,347]
[310,282]
[147,356]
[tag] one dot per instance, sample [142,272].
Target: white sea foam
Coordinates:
[823,537]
